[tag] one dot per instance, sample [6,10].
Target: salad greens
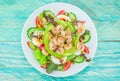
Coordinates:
[58,41]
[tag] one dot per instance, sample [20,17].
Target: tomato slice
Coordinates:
[86,50]
[67,65]
[82,22]
[41,46]
[63,19]
[61,12]
[37,21]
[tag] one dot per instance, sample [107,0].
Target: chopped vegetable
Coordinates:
[72,16]
[51,66]
[86,50]
[37,54]
[31,45]
[70,57]
[60,67]
[62,12]
[79,59]
[41,46]
[30,32]
[48,13]
[67,65]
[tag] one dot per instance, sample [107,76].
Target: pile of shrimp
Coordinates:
[60,39]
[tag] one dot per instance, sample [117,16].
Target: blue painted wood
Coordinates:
[105,15]
[104,67]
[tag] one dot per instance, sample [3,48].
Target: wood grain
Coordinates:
[14,14]
[104,67]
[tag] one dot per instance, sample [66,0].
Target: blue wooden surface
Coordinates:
[104,67]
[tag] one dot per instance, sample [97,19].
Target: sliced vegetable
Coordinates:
[48,13]
[72,17]
[41,46]
[70,57]
[31,45]
[86,50]
[61,22]
[38,22]
[79,59]
[60,67]
[51,66]
[30,32]
[86,38]
[67,65]
[40,16]
[61,12]
[87,32]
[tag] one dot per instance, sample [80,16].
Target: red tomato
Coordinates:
[41,46]
[61,12]
[86,50]
[80,40]
[67,65]
[37,21]
[43,66]
[28,43]
[63,19]
[82,22]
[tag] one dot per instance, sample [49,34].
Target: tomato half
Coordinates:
[41,46]
[86,50]
[61,12]
[37,21]
[67,65]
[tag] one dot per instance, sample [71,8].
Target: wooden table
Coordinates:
[104,67]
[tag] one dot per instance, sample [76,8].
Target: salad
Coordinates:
[58,41]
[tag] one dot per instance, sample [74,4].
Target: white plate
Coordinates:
[56,7]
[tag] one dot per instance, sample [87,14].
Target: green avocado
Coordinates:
[46,40]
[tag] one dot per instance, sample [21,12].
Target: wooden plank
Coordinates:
[105,65]
[14,14]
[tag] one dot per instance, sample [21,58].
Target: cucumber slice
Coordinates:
[87,38]
[79,59]
[72,16]
[30,31]
[60,67]
[48,13]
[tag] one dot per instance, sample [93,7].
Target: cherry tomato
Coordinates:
[37,21]
[86,50]
[41,46]
[80,40]
[67,65]
[82,22]
[61,12]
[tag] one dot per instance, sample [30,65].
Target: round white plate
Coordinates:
[56,7]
